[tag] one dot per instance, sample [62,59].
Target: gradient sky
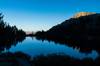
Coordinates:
[33,15]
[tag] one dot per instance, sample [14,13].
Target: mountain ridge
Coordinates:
[83,32]
[80,14]
[85,27]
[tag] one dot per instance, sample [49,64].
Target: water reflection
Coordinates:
[83,45]
[36,47]
[7,42]
[33,52]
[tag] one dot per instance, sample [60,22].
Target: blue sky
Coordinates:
[34,15]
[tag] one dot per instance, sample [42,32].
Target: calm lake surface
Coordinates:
[34,47]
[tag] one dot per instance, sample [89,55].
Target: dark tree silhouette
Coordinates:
[9,35]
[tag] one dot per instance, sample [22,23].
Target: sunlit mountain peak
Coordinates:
[79,14]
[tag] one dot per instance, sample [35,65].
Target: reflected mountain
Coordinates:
[82,30]
[8,42]
[84,49]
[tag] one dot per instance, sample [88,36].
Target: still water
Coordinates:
[34,47]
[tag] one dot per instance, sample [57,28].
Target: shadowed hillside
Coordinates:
[82,30]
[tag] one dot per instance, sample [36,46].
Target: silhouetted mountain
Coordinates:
[83,27]
[82,30]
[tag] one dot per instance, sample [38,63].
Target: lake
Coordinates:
[34,47]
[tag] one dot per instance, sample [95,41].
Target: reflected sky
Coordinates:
[36,47]
[33,15]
